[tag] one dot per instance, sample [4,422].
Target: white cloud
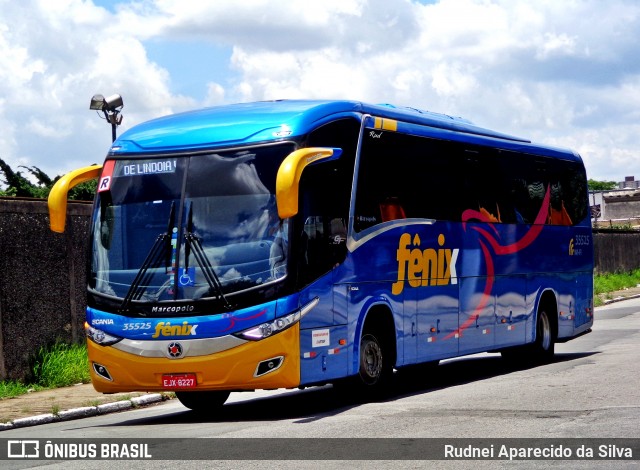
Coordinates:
[564,73]
[215,94]
[53,57]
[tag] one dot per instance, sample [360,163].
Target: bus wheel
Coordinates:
[543,348]
[203,401]
[375,368]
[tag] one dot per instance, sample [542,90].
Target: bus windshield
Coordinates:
[189,227]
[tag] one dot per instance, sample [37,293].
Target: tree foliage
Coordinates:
[601,185]
[17,185]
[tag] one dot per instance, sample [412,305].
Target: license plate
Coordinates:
[179,381]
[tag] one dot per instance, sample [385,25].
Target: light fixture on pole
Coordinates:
[111,107]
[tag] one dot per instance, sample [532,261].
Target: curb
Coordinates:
[85,412]
[620,299]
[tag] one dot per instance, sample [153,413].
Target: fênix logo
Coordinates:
[167,329]
[428,267]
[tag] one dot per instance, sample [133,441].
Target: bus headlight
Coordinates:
[100,337]
[276,326]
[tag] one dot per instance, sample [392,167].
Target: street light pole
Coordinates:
[111,107]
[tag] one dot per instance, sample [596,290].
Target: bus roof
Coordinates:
[249,123]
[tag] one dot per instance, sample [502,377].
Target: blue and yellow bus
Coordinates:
[288,244]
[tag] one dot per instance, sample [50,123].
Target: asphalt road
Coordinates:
[590,392]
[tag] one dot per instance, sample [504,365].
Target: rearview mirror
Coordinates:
[290,171]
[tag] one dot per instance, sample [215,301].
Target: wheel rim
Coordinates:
[371,360]
[545,332]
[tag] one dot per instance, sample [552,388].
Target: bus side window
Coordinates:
[391,209]
[324,224]
[558,214]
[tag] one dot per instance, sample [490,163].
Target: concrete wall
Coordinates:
[627,207]
[42,281]
[616,250]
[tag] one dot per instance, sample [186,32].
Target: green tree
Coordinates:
[601,185]
[84,191]
[19,186]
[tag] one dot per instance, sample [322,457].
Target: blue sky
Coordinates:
[564,73]
[192,64]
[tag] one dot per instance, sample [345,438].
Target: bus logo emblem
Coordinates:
[175,350]
[428,267]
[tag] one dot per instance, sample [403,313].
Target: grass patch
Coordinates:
[95,402]
[13,388]
[61,365]
[605,283]
[56,366]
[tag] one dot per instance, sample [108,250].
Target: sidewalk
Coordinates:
[62,404]
[616,296]
[80,401]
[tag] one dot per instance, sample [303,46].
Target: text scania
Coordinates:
[167,329]
[428,267]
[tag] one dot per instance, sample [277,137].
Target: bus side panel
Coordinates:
[565,287]
[363,299]
[562,288]
[322,315]
[323,336]
[511,310]
[437,317]
[534,288]
[324,353]
[477,314]
[582,248]
[584,302]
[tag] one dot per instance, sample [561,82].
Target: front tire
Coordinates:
[371,360]
[206,402]
[375,371]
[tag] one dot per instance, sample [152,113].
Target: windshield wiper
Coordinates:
[193,242]
[159,250]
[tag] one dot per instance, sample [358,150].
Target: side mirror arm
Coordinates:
[59,193]
[290,172]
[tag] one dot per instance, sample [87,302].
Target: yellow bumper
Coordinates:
[227,370]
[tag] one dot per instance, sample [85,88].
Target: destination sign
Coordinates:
[148,168]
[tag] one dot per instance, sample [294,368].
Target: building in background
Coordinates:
[618,206]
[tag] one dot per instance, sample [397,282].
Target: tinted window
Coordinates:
[405,176]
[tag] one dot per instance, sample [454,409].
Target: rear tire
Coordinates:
[543,348]
[541,351]
[203,401]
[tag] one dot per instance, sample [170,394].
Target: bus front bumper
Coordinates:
[270,363]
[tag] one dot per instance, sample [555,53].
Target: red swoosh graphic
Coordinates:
[499,250]
[485,295]
[527,239]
